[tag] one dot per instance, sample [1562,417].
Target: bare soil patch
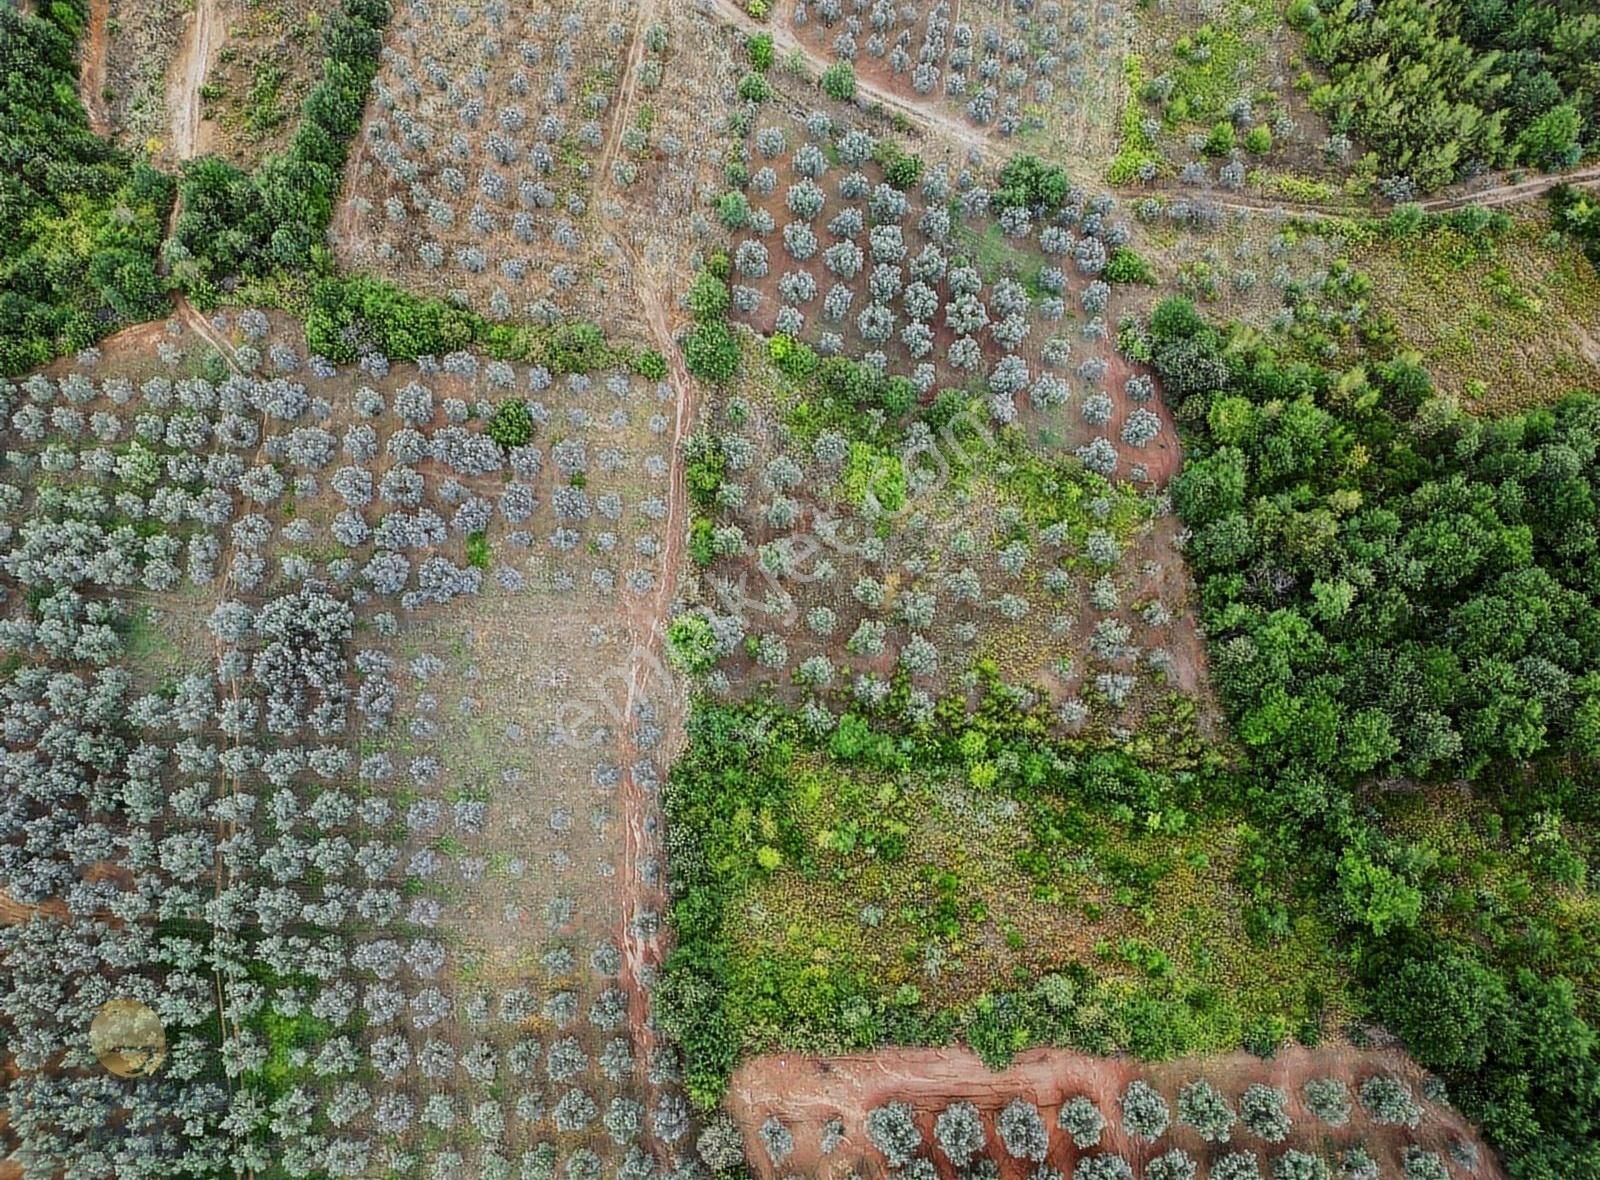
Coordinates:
[92,70]
[188,75]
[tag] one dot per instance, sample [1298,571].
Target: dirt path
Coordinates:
[929,119]
[630,85]
[14,912]
[925,116]
[1508,194]
[1504,193]
[805,1092]
[649,678]
[188,74]
[202,328]
[92,68]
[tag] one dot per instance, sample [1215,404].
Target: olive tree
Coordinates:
[1144,1111]
[959,1132]
[1202,1106]
[1022,1130]
[893,1131]
[1081,1119]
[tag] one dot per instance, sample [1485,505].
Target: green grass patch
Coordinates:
[969,878]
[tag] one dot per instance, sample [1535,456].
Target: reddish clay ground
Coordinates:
[805,1092]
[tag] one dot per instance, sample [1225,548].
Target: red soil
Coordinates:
[806,1092]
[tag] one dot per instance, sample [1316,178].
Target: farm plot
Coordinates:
[662,165]
[353,850]
[1306,1113]
[1048,76]
[1251,266]
[932,280]
[834,564]
[475,169]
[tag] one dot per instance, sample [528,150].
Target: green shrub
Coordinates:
[901,169]
[511,424]
[691,644]
[711,352]
[702,542]
[754,87]
[1028,182]
[733,210]
[1221,139]
[759,48]
[794,359]
[708,296]
[1127,266]
[839,81]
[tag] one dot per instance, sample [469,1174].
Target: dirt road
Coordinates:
[1458,197]
[188,75]
[650,679]
[630,84]
[202,328]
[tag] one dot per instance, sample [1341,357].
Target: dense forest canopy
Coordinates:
[1440,87]
[1394,588]
[80,221]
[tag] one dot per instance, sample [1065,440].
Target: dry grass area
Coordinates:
[1240,265]
[143,38]
[1503,323]
[988,894]
[269,57]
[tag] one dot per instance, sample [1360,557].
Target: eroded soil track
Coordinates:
[92,67]
[188,75]
[805,1092]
